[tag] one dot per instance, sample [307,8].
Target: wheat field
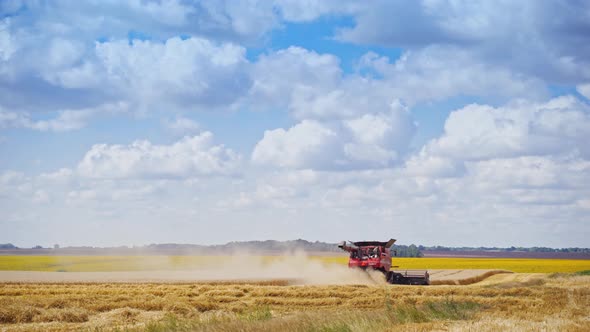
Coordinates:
[546,295]
[520,302]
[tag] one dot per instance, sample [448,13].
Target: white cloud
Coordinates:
[313,86]
[308,10]
[52,70]
[552,31]
[15,184]
[393,128]
[11,177]
[7,47]
[453,49]
[160,19]
[423,165]
[191,71]
[370,141]
[41,196]
[539,197]
[12,119]
[182,126]
[522,166]
[62,175]
[66,120]
[529,172]
[63,53]
[277,75]
[64,72]
[584,90]
[437,73]
[170,12]
[189,157]
[307,143]
[87,75]
[559,126]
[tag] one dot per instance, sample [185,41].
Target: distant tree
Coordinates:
[406,251]
[37,247]
[56,246]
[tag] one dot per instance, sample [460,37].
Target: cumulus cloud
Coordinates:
[307,143]
[277,75]
[189,157]
[50,63]
[431,195]
[369,141]
[161,19]
[555,32]
[559,126]
[313,86]
[346,157]
[187,71]
[451,49]
[436,73]
[76,71]
[530,172]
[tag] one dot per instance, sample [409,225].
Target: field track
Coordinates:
[438,277]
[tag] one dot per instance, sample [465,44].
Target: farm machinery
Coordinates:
[377,256]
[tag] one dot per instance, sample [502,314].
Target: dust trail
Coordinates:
[296,268]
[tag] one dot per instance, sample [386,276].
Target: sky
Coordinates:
[458,123]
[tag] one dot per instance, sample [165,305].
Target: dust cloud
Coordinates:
[297,268]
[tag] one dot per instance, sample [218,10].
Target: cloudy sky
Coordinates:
[433,122]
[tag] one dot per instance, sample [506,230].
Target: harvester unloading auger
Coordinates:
[377,256]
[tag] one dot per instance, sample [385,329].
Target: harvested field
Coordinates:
[293,293]
[461,277]
[523,302]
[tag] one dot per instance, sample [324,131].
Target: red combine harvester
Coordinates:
[377,256]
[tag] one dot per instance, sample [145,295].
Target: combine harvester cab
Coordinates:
[376,255]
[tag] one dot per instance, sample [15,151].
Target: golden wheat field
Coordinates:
[518,302]
[255,297]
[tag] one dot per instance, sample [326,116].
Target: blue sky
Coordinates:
[433,122]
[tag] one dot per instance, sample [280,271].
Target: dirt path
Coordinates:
[437,277]
[114,277]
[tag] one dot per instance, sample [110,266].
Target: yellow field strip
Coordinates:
[151,263]
[520,265]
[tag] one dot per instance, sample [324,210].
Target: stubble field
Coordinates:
[507,301]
